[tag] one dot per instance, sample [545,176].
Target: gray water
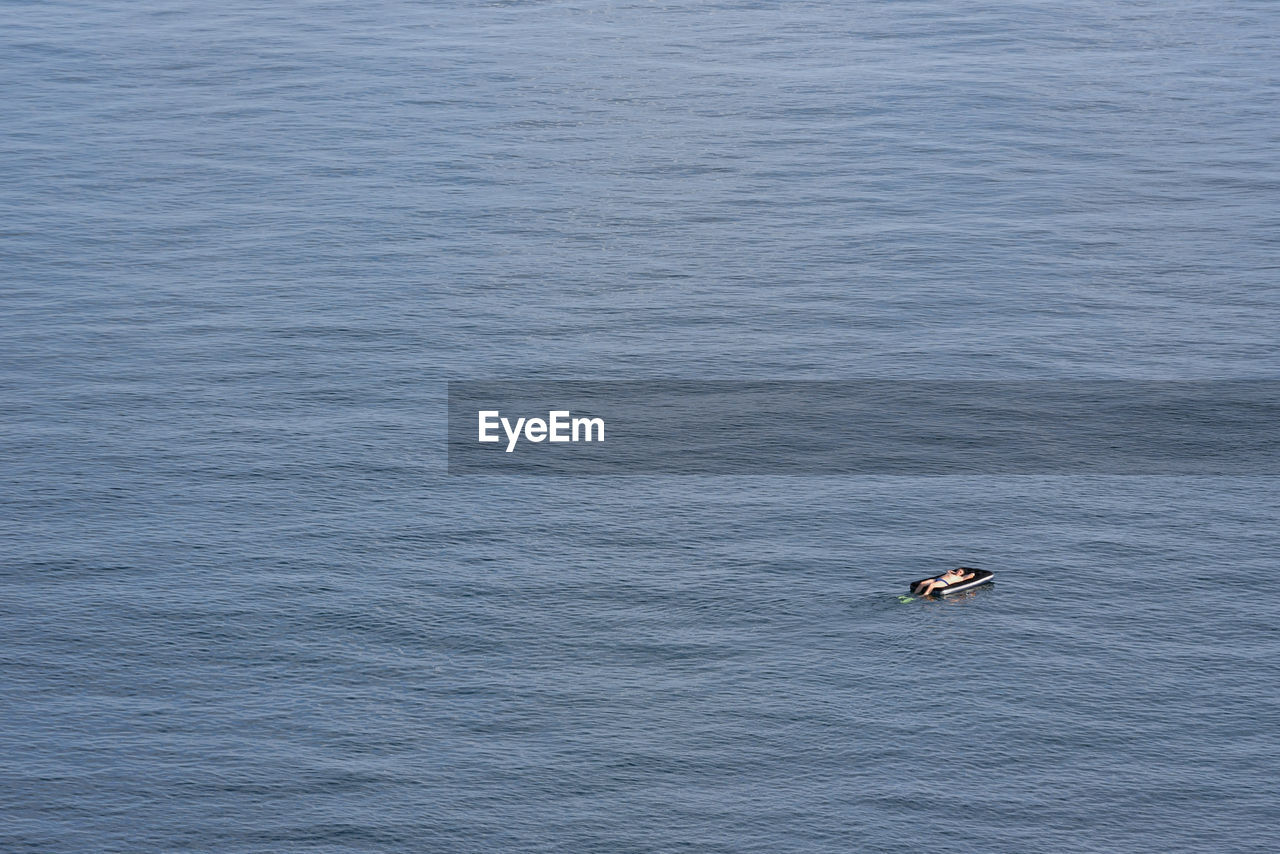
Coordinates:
[245,608]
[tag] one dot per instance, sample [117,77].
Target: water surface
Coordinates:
[246,610]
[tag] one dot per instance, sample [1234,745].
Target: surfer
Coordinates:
[951,576]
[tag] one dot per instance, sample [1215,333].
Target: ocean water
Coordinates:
[244,607]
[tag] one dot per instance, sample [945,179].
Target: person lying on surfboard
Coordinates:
[948,578]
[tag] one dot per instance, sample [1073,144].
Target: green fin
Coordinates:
[906,599]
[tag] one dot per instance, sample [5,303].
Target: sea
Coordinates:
[246,607]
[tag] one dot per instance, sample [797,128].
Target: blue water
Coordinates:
[243,608]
